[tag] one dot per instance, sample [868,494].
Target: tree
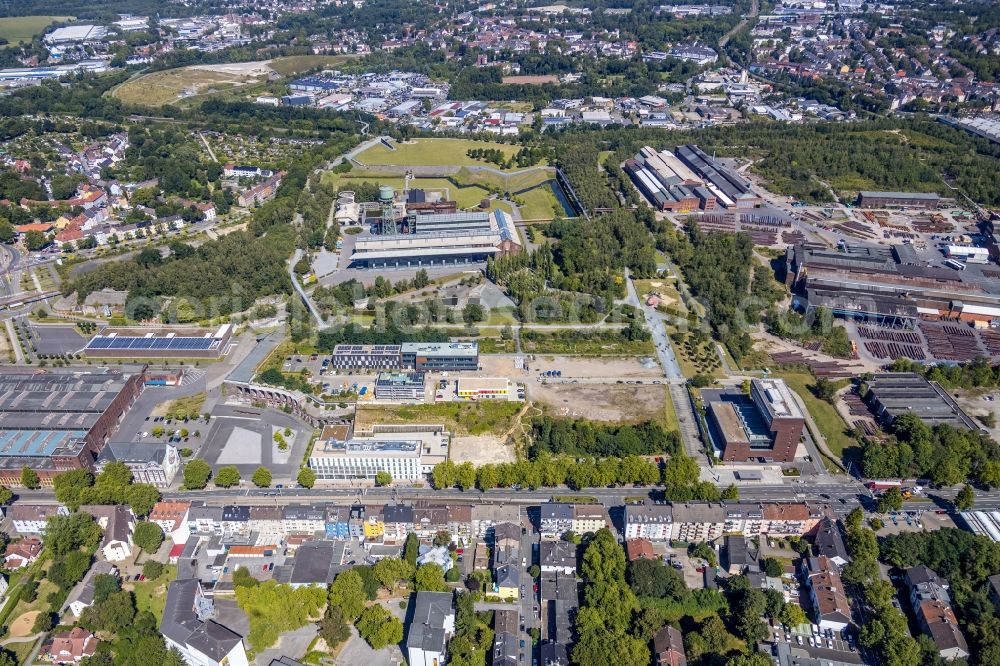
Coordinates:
[390,570]
[444,475]
[307,477]
[148,536]
[772,567]
[227,477]
[891,500]
[262,477]
[465,476]
[29,479]
[680,470]
[107,584]
[152,569]
[488,477]
[43,623]
[71,486]
[534,571]
[430,578]
[792,615]
[411,549]
[452,575]
[651,578]
[69,569]
[196,474]
[421,279]
[64,534]
[824,389]
[347,593]
[965,498]
[383,478]
[35,240]
[751,659]
[604,559]
[333,628]
[379,627]
[243,578]
[112,615]
[5,495]
[142,497]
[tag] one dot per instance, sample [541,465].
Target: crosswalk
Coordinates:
[192,375]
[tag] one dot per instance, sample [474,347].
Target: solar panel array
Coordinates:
[126,342]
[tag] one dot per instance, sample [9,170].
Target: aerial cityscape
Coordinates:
[447,333]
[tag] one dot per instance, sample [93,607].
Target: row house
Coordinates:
[304,519]
[557,518]
[172,518]
[267,519]
[707,521]
[649,521]
[235,521]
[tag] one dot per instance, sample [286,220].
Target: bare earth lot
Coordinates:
[601,402]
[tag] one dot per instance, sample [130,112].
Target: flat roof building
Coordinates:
[397,386]
[483,388]
[892,394]
[57,421]
[366,357]
[924,200]
[206,344]
[405,454]
[440,356]
[768,425]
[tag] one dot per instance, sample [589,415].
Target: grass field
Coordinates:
[151,595]
[187,84]
[432,152]
[462,418]
[515,183]
[830,424]
[467,197]
[23,28]
[617,346]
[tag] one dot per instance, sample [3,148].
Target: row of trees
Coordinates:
[197,473]
[581,437]
[114,485]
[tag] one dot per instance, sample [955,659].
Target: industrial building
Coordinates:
[437,239]
[898,200]
[203,344]
[54,422]
[766,426]
[418,356]
[688,180]
[891,394]
[887,285]
[76,34]
[440,356]
[398,386]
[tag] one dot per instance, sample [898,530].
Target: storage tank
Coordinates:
[385,194]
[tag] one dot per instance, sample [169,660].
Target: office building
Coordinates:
[54,422]
[767,426]
[483,388]
[431,627]
[891,394]
[399,386]
[155,463]
[334,460]
[440,356]
[366,357]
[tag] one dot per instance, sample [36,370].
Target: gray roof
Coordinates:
[314,563]
[285,661]
[427,627]
[557,554]
[556,511]
[133,452]
[235,513]
[829,540]
[182,625]
[398,513]
[553,654]
[84,592]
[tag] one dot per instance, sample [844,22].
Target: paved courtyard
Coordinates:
[244,437]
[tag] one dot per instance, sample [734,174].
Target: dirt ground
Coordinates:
[602,402]
[975,405]
[23,624]
[573,367]
[258,68]
[480,450]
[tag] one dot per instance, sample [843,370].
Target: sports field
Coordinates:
[16,29]
[432,152]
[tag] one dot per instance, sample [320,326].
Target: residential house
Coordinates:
[304,519]
[486,516]
[82,595]
[555,519]
[22,553]
[589,518]
[235,520]
[205,519]
[826,592]
[374,523]
[32,518]
[431,628]
[829,542]
[738,556]
[505,638]
[932,606]
[506,535]
[557,556]
[397,521]
[668,647]
[172,517]
[117,522]
[337,522]
[267,521]
[189,627]
[649,521]
[639,549]
[70,647]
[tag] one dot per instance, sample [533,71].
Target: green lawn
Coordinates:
[466,197]
[828,420]
[151,595]
[670,421]
[548,342]
[23,28]
[432,152]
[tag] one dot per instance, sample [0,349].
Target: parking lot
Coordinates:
[244,437]
[56,340]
